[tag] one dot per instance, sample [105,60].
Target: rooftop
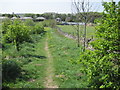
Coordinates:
[40,18]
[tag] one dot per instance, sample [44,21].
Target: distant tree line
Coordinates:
[64,17]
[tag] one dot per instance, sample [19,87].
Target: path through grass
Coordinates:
[47,63]
[49,82]
[64,51]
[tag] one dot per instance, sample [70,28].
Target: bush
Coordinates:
[10,70]
[102,65]
[5,25]
[17,33]
[38,29]
[29,22]
[49,23]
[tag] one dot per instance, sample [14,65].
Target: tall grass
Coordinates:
[73,30]
[64,51]
[32,59]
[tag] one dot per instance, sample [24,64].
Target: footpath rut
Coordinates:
[49,82]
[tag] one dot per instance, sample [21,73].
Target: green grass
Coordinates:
[72,30]
[33,59]
[63,51]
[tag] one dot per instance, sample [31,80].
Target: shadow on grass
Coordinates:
[36,56]
[30,50]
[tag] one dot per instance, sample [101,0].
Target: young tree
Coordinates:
[82,8]
[17,32]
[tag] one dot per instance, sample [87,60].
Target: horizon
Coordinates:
[41,7]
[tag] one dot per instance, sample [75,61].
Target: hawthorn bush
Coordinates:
[102,65]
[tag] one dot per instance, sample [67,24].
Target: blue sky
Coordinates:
[41,6]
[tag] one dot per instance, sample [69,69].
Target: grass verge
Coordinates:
[32,58]
[64,51]
[73,31]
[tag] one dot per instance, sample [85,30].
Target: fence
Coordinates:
[88,40]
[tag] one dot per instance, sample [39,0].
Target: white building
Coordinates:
[13,18]
[40,19]
[25,18]
[58,19]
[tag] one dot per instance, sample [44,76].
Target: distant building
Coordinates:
[67,19]
[40,19]
[58,19]
[25,18]
[13,18]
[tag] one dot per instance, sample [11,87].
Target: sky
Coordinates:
[42,6]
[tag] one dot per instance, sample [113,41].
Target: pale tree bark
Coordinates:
[82,8]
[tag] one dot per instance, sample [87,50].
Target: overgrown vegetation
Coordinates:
[17,31]
[102,65]
[57,15]
[49,23]
[27,37]
[24,58]
[67,74]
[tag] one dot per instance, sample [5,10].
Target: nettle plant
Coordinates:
[102,65]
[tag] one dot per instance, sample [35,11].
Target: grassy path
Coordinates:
[49,82]
[33,59]
[48,63]
[61,49]
[64,52]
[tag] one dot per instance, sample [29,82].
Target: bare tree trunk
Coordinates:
[82,8]
[85,25]
[17,47]
[78,34]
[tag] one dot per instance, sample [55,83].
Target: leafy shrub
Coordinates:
[38,29]
[29,22]
[10,70]
[101,72]
[17,33]
[102,65]
[49,23]
[5,25]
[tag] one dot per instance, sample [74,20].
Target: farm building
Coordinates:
[13,18]
[25,18]
[67,19]
[58,19]
[40,19]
